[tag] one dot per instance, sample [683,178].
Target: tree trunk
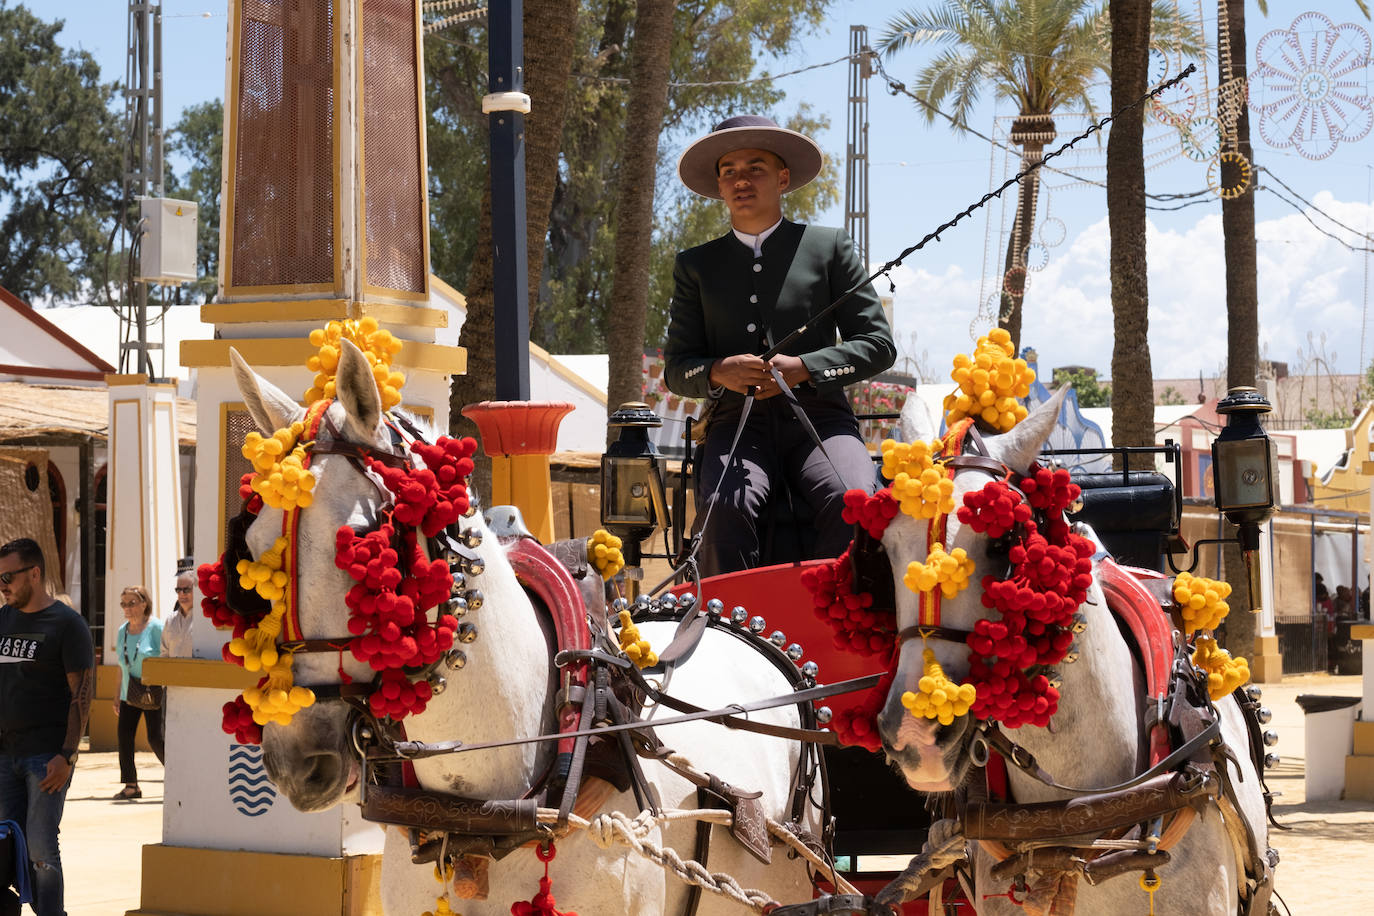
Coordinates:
[1032,135]
[1132,378]
[549,27]
[1238,230]
[649,67]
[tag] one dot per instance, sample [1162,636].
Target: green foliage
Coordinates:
[1091,392]
[1171,396]
[198,136]
[712,42]
[60,163]
[1335,418]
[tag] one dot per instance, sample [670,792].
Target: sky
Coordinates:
[1314,292]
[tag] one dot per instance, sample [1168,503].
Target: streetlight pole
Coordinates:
[506,106]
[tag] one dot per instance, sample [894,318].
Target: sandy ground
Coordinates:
[1327,862]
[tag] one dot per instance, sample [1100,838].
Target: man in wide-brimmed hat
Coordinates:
[737,296]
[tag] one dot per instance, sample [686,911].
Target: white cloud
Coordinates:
[1308,284]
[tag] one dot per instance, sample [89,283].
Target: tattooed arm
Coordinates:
[82,685]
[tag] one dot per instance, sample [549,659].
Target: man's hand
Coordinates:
[58,772]
[742,372]
[792,369]
[745,371]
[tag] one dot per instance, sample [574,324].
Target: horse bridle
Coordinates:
[458,546]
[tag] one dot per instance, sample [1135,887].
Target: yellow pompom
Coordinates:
[938,697]
[277,700]
[947,571]
[604,553]
[988,382]
[1224,673]
[635,647]
[379,346]
[1201,601]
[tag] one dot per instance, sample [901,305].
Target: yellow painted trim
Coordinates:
[197,672]
[184,879]
[322,310]
[567,374]
[437,282]
[294,351]
[112,488]
[136,378]
[1362,631]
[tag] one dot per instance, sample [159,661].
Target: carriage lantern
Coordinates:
[1244,461]
[633,502]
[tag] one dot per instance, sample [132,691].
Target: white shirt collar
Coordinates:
[756,241]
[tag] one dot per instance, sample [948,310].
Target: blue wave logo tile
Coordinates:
[250,791]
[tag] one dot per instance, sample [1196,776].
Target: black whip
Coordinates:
[1015,179]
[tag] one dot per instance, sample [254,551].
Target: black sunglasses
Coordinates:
[182,589]
[8,577]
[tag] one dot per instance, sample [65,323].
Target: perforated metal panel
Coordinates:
[237,424]
[393,181]
[283,206]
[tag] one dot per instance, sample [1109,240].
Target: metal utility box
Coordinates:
[168,248]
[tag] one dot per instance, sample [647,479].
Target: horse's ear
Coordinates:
[356,390]
[1018,448]
[270,407]
[916,422]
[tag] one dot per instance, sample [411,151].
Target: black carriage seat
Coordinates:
[1134,515]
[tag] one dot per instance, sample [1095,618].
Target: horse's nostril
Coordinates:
[322,769]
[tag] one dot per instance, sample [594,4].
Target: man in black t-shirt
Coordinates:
[47,677]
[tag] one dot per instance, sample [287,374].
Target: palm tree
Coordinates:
[1041,55]
[651,54]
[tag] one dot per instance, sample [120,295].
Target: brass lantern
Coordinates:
[1245,474]
[633,503]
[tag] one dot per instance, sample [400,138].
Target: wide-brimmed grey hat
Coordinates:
[697,166]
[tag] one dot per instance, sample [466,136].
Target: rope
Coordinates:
[943,848]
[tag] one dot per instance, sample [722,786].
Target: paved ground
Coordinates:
[1326,856]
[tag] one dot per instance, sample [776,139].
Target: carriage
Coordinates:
[488,782]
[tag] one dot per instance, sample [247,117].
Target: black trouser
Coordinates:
[774,449]
[128,732]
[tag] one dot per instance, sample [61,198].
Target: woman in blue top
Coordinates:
[140,637]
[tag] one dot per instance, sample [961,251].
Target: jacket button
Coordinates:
[757,267]
[754,298]
[751,327]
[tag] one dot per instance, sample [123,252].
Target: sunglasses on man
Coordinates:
[8,577]
[182,589]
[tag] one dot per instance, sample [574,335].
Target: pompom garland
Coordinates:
[994,510]
[280,476]
[378,346]
[603,552]
[1050,491]
[434,496]
[1224,673]
[214,590]
[857,726]
[872,513]
[949,572]
[857,627]
[635,647]
[936,696]
[1201,601]
[238,721]
[990,382]
[921,488]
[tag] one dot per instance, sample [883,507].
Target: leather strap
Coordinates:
[950,634]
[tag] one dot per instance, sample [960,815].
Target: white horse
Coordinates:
[506,691]
[1095,739]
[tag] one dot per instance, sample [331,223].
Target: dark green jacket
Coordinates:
[722,307]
